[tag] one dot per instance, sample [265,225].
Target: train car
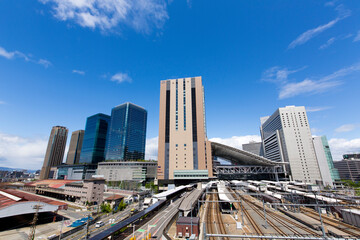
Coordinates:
[270,199]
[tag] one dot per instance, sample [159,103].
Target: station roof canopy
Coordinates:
[240,157]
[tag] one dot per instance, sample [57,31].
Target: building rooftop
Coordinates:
[10,197]
[52,183]
[114,197]
[188,220]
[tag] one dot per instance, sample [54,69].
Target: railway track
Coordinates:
[286,222]
[214,222]
[254,225]
[333,222]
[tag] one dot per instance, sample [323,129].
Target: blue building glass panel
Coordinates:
[93,149]
[127,133]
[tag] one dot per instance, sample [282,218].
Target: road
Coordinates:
[93,230]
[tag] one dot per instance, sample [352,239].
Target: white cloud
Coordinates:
[289,89]
[6,54]
[44,62]
[327,44]
[142,15]
[278,74]
[78,72]
[345,128]
[314,131]
[19,152]
[237,141]
[330,3]
[309,34]
[340,146]
[306,86]
[17,54]
[151,149]
[2,102]
[357,37]
[316,109]
[121,77]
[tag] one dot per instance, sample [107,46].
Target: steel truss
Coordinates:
[243,169]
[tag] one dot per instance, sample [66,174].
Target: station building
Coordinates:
[81,192]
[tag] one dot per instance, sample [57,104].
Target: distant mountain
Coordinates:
[16,169]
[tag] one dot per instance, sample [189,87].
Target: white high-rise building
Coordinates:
[287,138]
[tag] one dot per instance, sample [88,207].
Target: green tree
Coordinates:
[105,207]
[122,205]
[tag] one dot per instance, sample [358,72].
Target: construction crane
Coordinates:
[37,207]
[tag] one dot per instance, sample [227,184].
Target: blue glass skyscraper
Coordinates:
[127,133]
[93,148]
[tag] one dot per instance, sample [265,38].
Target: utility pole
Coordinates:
[33,223]
[321,221]
[87,227]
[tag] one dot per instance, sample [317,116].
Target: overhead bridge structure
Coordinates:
[244,165]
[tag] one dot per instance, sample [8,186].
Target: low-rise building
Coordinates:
[82,192]
[127,171]
[114,200]
[186,226]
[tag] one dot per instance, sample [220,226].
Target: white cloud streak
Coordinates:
[357,37]
[121,77]
[309,34]
[17,54]
[2,102]
[316,109]
[19,152]
[78,72]
[141,15]
[345,128]
[306,86]
[151,149]
[327,44]
[278,74]
[340,146]
[289,89]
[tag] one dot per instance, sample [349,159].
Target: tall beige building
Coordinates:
[76,142]
[55,150]
[183,151]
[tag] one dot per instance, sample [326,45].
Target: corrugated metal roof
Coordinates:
[24,196]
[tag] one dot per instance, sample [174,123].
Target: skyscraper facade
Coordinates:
[183,150]
[127,133]
[325,161]
[55,150]
[76,142]
[287,138]
[349,167]
[254,147]
[93,148]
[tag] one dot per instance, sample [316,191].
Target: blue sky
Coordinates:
[64,60]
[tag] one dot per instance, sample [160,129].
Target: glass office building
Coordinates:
[93,148]
[127,133]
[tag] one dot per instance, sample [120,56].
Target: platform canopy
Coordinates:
[240,157]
